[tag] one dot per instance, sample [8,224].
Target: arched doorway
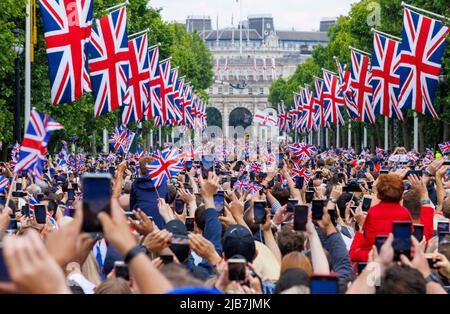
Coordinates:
[240,117]
[214,117]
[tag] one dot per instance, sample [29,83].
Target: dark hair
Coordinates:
[290,241]
[402,280]
[281,194]
[390,188]
[199,217]
[291,278]
[52,206]
[411,201]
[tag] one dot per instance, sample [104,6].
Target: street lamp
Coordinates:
[18,49]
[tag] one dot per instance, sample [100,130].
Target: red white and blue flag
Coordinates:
[177,85]
[332,99]
[302,150]
[32,202]
[139,152]
[265,118]
[360,83]
[299,171]
[308,109]
[347,92]
[4,182]
[166,165]
[385,82]
[121,139]
[188,118]
[319,112]
[421,50]
[137,96]
[67,30]
[162,91]
[283,118]
[445,147]
[152,110]
[109,61]
[15,154]
[33,150]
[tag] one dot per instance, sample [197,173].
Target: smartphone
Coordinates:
[96,199]
[2,200]
[18,186]
[189,224]
[324,284]
[219,202]
[412,172]
[333,216]
[40,214]
[367,200]
[180,239]
[121,270]
[236,269]
[317,209]
[379,241]
[71,194]
[233,181]
[75,186]
[179,206]
[352,188]
[112,170]
[166,258]
[292,202]
[259,212]
[25,210]
[443,226]
[188,165]
[384,171]
[402,239]
[18,194]
[12,225]
[300,217]
[40,196]
[299,182]
[280,161]
[224,180]
[443,236]
[447,163]
[431,263]
[418,232]
[319,174]
[309,195]
[4,275]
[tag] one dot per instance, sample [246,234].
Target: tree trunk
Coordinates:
[405,132]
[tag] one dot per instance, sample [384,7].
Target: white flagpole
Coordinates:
[326,138]
[416,131]
[160,136]
[27,64]
[337,135]
[349,134]
[151,138]
[365,137]
[318,136]
[386,133]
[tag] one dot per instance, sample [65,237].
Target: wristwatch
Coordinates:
[432,278]
[425,202]
[137,249]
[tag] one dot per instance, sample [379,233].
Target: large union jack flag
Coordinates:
[152,110]
[121,139]
[346,90]
[67,30]
[188,118]
[299,171]
[34,145]
[109,61]
[4,182]
[332,99]
[162,93]
[176,83]
[385,82]
[166,165]
[421,50]
[360,83]
[319,112]
[445,147]
[283,118]
[302,150]
[137,96]
[308,109]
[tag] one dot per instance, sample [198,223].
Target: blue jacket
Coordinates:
[144,195]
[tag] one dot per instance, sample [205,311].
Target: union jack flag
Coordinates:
[109,61]
[152,110]
[283,118]
[296,113]
[308,109]
[15,154]
[67,30]
[412,156]
[319,112]
[253,187]
[299,171]
[162,93]
[34,145]
[302,150]
[165,166]
[139,152]
[137,96]
[332,99]
[346,90]
[121,139]
[255,167]
[429,153]
[32,202]
[4,182]
[177,89]
[241,185]
[361,85]
[385,82]
[187,107]
[445,147]
[421,50]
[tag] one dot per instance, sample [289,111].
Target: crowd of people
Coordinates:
[348,224]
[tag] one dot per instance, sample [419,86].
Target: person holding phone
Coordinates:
[389,191]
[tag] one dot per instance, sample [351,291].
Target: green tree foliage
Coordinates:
[188,52]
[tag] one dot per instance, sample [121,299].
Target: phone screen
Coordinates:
[367,201]
[236,269]
[218,203]
[179,206]
[70,194]
[402,239]
[324,284]
[299,181]
[361,266]
[75,186]
[112,171]
[418,232]
[188,165]
[233,181]
[309,195]
[379,241]
[25,210]
[280,160]
[443,226]
[291,205]
[96,198]
[18,186]
[300,217]
[189,224]
[166,258]
[259,211]
[40,214]
[121,270]
[4,275]
[317,209]
[2,200]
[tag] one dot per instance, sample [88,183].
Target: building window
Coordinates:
[220,91]
[210,90]
[231,90]
[261,91]
[250,91]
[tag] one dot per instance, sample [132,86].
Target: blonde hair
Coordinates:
[296,260]
[90,269]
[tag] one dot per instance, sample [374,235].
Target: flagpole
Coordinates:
[326,138]
[117,6]
[416,131]
[360,51]
[386,34]
[160,136]
[386,133]
[139,33]
[365,137]
[424,11]
[349,134]
[337,135]
[27,63]
[151,138]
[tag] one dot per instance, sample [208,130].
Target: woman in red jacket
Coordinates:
[389,190]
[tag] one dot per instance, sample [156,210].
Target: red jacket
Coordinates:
[427,220]
[378,222]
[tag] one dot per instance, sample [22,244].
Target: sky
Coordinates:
[302,15]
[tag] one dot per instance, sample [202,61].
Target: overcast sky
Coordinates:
[299,14]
